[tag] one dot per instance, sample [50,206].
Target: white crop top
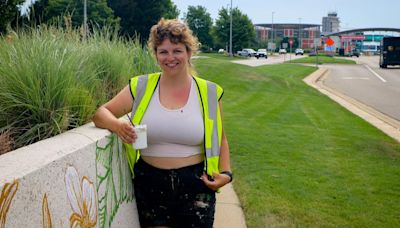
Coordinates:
[174,133]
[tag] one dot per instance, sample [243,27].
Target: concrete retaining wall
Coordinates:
[78,178]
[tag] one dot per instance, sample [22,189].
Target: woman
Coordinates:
[187,158]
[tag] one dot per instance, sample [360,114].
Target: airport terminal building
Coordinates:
[304,33]
[310,36]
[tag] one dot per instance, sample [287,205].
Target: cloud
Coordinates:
[25,9]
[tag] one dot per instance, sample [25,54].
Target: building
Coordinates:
[331,23]
[305,33]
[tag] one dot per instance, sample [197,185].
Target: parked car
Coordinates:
[299,51]
[312,53]
[356,53]
[221,50]
[261,53]
[351,53]
[282,51]
[248,52]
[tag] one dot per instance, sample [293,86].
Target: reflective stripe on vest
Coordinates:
[142,89]
[212,114]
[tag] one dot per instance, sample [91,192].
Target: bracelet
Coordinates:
[228,173]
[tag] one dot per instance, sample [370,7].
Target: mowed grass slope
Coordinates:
[299,158]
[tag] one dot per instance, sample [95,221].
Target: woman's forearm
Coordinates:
[224,157]
[103,118]
[107,116]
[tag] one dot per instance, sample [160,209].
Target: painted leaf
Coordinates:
[114,183]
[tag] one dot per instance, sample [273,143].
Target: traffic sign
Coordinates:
[329,42]
[291,42]
[271,45]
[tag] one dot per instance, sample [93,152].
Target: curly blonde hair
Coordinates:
[174,30]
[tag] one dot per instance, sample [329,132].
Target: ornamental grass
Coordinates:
[53,80]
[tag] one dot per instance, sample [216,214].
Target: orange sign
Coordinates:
[329,42]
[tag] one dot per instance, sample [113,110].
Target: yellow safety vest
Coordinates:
[142,89]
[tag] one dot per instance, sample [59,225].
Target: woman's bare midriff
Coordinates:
[173,162]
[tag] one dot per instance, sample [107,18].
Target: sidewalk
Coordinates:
[228,213]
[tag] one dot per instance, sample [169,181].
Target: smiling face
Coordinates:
[173,58]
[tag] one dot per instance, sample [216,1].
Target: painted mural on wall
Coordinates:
[88,203]
[6,197]
[114,182]
[82,197]
[46,213]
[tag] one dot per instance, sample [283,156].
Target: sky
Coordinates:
[352,13]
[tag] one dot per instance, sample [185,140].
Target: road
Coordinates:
[367,83]
[364,82]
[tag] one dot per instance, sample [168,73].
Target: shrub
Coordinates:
[5,142]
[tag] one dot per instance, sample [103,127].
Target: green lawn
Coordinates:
[299,158]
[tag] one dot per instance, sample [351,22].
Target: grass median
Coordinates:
[322,60]
[299,158]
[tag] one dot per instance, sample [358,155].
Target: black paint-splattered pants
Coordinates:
[173,197]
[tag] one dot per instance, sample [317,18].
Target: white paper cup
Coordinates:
[141,141]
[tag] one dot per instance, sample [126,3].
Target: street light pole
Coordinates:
[272,33]
[230,34]
[300,32]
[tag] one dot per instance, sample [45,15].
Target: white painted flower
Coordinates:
[82,198]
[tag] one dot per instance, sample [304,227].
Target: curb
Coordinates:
[228,212]
[386,124]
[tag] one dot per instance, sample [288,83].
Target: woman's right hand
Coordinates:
[126,132]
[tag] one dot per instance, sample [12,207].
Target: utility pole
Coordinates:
[230,34]
[272,33]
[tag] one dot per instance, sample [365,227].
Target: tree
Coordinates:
[137,16]
[200,22]
[98,12]
[286,40]
[8,12]
[171,10]
[243,31]
[261,44]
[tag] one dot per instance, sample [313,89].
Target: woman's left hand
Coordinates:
[219,180]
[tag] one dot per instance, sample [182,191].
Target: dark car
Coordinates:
[352,53]
[312,53]
[355,52]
